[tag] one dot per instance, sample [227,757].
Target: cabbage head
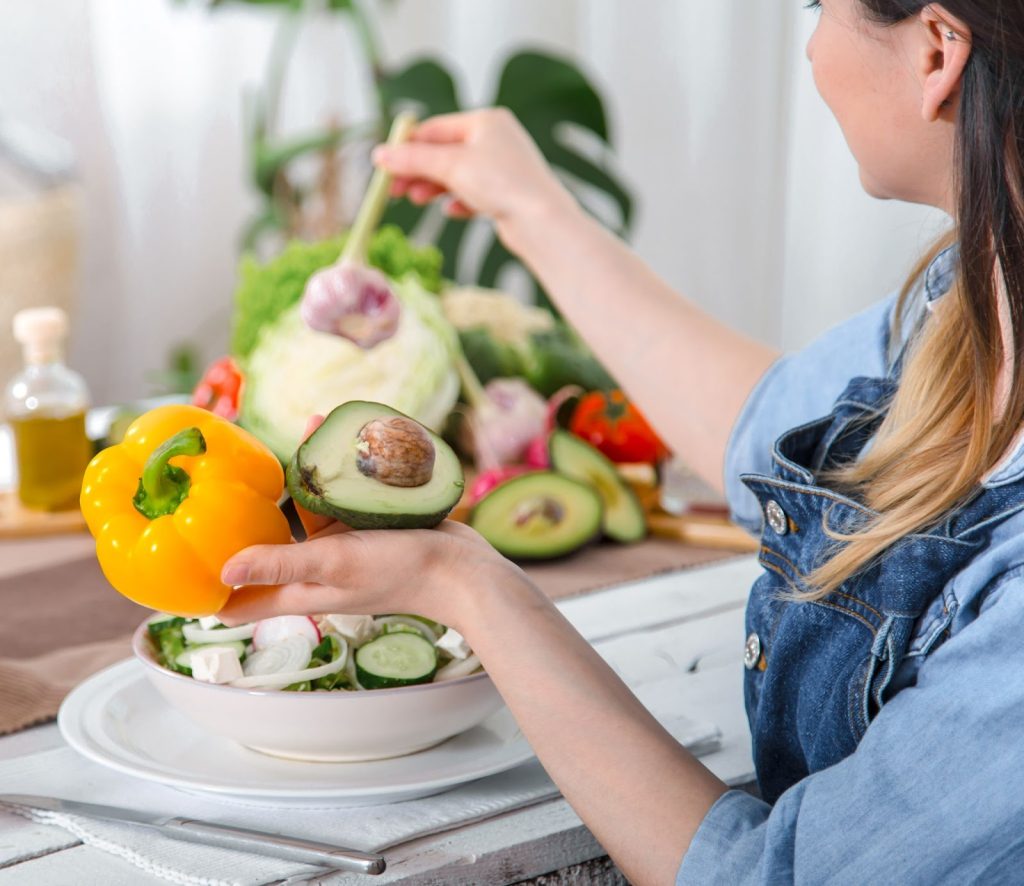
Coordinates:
[292,372]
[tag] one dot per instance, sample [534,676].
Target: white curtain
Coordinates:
[748,200]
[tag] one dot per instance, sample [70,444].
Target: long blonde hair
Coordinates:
[944,430]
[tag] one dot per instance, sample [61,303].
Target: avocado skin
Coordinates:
[572,448]
[298,487]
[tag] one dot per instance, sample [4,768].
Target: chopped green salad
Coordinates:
[296,653]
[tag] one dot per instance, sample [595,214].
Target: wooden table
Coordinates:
[683,631]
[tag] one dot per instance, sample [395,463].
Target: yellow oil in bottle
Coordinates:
[52,454]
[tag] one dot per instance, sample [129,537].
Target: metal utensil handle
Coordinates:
[290,848]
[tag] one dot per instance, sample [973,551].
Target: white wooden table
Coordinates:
[681,633]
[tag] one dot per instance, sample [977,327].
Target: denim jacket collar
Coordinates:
[938,278]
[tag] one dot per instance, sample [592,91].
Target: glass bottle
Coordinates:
[45,404]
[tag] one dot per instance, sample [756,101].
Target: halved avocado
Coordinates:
[623,515]
[538,516]
[371,467]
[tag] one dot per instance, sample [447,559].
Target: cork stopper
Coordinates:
[41,333]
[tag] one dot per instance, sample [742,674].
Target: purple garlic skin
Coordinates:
[353,301]
[500,429]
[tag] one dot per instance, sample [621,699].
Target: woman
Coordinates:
[884,638]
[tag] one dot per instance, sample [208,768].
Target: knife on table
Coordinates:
[210,834]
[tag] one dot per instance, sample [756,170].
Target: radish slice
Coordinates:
[537,453]
[195,634]
[456,668]
[272,631]
[261,676]
[487,481]
[413,623]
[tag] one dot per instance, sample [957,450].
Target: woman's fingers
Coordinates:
[419,160]
[273,565]
[399,187]
[423,192]
[445,128]
[458,209]
[253,603]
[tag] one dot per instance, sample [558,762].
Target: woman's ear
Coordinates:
[943,57]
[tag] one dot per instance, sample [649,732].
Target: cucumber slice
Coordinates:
[623,515]
[184,659]
[396,660]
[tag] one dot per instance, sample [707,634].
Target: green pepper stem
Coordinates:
[162,486]
[376,197]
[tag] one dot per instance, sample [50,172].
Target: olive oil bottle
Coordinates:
[45,404]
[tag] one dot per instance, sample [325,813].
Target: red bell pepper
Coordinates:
[220,389]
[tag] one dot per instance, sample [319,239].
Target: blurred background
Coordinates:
[144,144]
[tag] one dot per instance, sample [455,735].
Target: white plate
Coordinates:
[117,719]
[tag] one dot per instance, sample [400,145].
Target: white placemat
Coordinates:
[63,773]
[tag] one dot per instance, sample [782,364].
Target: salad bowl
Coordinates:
[339,726]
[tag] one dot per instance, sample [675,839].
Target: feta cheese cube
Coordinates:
[216,664]
[357,628]
[454,644]
[208,622]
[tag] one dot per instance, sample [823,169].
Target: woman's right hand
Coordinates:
[484,160]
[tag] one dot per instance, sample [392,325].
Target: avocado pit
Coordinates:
[396,451]
[543,512]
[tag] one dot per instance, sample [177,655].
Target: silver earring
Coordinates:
[951,35]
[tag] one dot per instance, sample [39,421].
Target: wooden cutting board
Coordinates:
[17,521]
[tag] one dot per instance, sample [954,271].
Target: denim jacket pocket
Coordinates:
[882,663]
[932,627]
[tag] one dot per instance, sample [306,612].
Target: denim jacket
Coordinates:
[886,718]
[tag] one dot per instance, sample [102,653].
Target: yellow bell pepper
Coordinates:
[164,531]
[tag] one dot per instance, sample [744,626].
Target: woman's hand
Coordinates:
[338,569]
[484,159]
[430,572]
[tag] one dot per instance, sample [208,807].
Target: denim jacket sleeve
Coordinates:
[931,795]
[797,388]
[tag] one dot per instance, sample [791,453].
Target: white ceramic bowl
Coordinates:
[327,726]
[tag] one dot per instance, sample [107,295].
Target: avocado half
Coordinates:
[329,472]
[538,516]
[624,519]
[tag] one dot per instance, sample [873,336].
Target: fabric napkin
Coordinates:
[63,773]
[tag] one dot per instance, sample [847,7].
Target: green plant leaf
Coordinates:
[268,159]
[425,84]
[546,93]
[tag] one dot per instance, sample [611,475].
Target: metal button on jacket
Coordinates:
[776,517]
[752,652]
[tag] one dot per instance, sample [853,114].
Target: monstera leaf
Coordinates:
[558,107]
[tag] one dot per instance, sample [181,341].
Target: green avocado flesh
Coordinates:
[623,516]
[538,516]
[324,476]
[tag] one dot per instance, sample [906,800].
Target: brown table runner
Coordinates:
[63,622]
